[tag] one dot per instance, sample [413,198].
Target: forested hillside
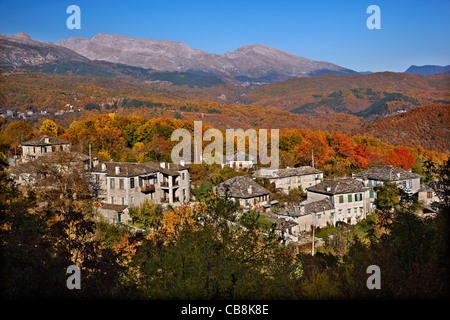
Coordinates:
[427,126]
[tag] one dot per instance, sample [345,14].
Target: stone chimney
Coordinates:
[163,165]
[117,170]
[103,166]
[46,140]
[250,189]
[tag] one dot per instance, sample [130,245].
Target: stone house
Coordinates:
[351,199]
[375,176]
[241,160]
[42,145]
[290,178]
[129,184]
[250,194]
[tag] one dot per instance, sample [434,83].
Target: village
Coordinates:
[329,202]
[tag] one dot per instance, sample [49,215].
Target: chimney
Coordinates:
[162,164]
[46,140]
[249,189]
[117,170]
[103,166]
[182,162]
[328,189]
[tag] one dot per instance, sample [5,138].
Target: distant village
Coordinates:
[122,185]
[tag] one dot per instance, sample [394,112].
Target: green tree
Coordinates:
[148,214]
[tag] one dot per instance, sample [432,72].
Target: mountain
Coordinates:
[425,126]
[369,96]
[428,69]
[253,63]
[20,50]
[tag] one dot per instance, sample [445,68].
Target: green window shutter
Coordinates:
[341,199]
[349,198]
[371,193]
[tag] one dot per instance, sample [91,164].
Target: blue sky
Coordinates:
[412,32]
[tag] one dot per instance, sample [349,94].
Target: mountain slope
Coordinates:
[20,50]
[426,126]
[254,62]
[369,95]
[428,69]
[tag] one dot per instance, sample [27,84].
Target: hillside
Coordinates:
[33,91]
[370,95]
[427,126]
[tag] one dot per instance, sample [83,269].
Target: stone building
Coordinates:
[241,160]
[375,176]
[42,145]
[129,184]
[351,199]
[250,194]
[290,178]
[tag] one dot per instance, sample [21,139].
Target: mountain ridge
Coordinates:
[253,61]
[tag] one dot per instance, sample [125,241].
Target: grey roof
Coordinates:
[132,169]
[318,206]
[241,187]
[44,141]
[384,173]
[287,172]
[340,185]
[308,207]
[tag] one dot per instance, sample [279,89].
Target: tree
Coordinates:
[49,127]
[214,257]
[148,213]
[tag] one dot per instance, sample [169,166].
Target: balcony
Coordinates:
[165,184]
[148,188]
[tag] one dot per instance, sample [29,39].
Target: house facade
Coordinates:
[42,145]
[351,199]
[129,184]
[241,160]
[290,178]
[250,194]
[378,175]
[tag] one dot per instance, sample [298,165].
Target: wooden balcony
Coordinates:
[148,188]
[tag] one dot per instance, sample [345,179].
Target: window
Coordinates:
[356,197]
[112,200]
[349,210]
[123,200]
[140,182]
[371,194]
[332,215]
[349,198]
[112,183]
[374,182]
[319,216]
[355,210]
[360,197]
[429,195]
[121,184]
[340,211]
[360,209]
[132,200]
[404,184]
[410,184]
[132,183]
[341,199]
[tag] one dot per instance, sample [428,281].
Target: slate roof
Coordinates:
[384,173]
[305,208]
[131,169]
[241,187]
[340,185]
[40,141]
[287,172]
